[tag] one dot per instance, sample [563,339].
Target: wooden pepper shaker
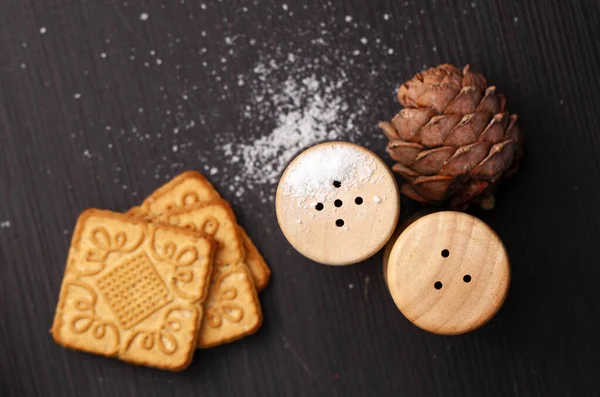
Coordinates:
[337,203]
[448,272]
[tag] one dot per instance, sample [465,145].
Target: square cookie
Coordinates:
[214,219]
[187,188]
[192,187]
[260,271]
[133,290]
[232,309]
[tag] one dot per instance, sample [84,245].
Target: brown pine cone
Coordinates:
[453,140]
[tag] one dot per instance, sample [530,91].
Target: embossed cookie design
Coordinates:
[337,203]
[232,309]
[448,273]
[133,290]
[190,188]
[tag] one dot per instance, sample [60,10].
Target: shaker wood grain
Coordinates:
[327,331]
[448,273]
[353,222]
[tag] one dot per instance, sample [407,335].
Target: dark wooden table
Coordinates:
[94,97]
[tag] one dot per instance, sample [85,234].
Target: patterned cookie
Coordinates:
[133,290]
[192,187]
[232,307]
[187,188]
[260,271]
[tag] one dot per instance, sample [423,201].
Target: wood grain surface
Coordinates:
[93,92]
[349,220]
[448,273]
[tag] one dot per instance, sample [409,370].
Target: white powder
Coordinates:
[314,174]
[307,107]
[253,120]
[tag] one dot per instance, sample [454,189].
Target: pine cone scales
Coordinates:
[453,140]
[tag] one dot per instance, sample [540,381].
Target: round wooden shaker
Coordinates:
[337,203]
[448,273]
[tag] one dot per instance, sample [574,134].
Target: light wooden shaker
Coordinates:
[448,272]
[352,224]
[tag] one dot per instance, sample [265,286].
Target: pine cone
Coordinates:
[453,140]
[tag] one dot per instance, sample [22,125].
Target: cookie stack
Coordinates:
[150,286]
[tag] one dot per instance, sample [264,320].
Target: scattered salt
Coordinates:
[43,30]
[77,95]
[351,286]
[310,107]
[313,175]
[144,16]
[214,171]
[103,55]
[5,224]
[348,18]
[377,199]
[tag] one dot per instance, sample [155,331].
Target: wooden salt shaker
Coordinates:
[337,203]
[448,272]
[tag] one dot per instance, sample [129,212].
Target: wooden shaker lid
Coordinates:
[337,203]
[448,273]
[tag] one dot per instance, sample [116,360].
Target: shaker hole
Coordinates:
[467,278]
[339,223]
[445,253]
[438,285]
[338,203]
[319,207]
[358,200]
[337,183]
